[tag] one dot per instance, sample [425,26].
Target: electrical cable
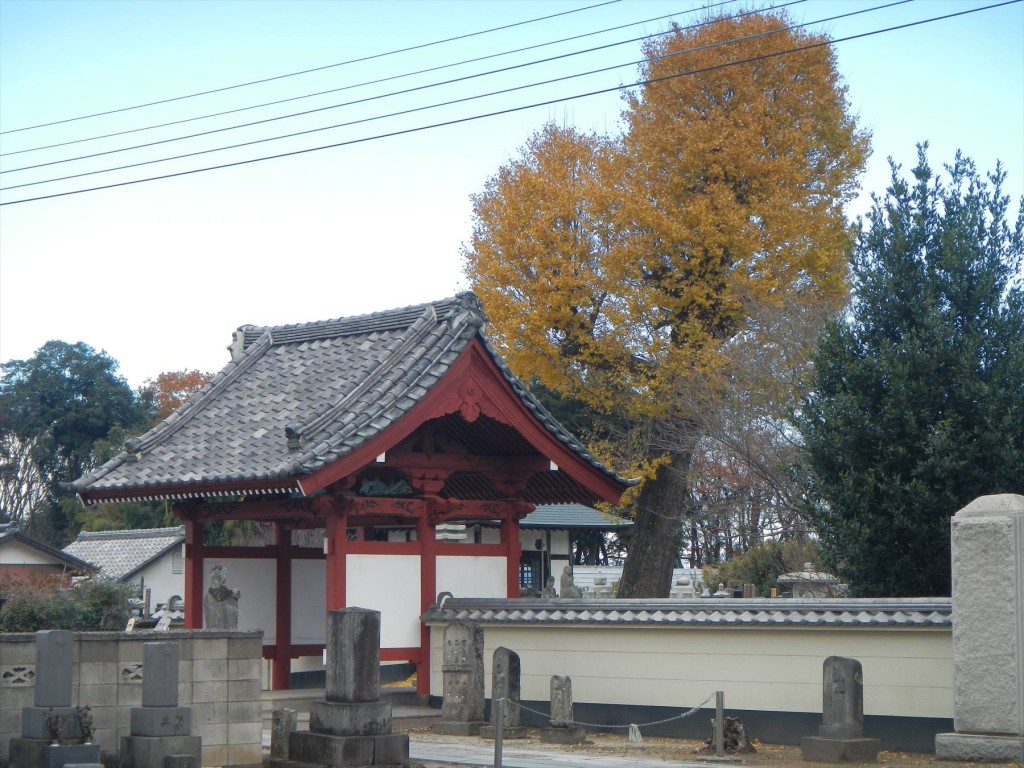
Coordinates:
[548,102]
[379,80]
[411,110]
[314,69]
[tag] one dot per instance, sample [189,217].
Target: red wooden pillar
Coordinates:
[194,551]
[427,537]
[282,669]
[335,541]
[513,552]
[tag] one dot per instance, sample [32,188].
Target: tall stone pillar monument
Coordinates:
[988,632]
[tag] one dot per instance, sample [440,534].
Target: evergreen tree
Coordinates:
[917,401]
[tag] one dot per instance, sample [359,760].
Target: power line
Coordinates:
[314,69]
[510,110]
[379,80]
[403,93]
[412,110]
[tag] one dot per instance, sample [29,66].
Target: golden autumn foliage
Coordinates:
[623,270]
[172,388]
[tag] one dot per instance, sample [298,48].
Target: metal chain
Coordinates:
[683,716]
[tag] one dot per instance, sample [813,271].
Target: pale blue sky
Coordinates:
[159,274]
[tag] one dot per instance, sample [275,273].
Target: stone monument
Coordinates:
[220,604]
[841,734]
[505,685]
[353,726]
[562,730]
[160,729]
[462,711]
[49,725]
[567,587]
[988,632]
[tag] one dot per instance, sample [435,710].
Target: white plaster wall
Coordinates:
[162,581]
[257,581]
[907,672]
[309,602]
[16,553]
[472,576]
[389,584]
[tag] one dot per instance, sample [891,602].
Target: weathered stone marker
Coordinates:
[47,727]
[988,632]
[160,729]
[841,735]
[563,729]
[353,726]
[283,724]
[505,685]
[462,711]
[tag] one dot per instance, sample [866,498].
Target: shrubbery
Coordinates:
[762,565]
[92,604]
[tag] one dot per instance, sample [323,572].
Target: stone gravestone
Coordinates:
[841,734]
[505,684]
[462,669]
[353,726]
[48,726]
[160,729]
[988,632]
[563,729]
[220,603]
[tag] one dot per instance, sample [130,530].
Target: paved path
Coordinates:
[514,757]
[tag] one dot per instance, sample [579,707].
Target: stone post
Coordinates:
[505,684]
[841,734]
[462,711]
[988,632]
[563,729]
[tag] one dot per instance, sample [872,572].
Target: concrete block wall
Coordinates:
[219,676]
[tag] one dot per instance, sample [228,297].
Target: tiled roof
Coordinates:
[571,516]
[119,554]
[329,386]
[840,612]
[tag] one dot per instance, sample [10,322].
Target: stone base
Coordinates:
[574,735]
[821,750]
[343,751]
[979,748]
[508,732]
[458,727]
[161,721]
[40,753]
[33,723]
[151,751]
[343,719]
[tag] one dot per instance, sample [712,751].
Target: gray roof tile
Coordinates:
[894,612]
[336,383]
[119,554]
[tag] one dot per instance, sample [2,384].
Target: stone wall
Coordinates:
[219,677]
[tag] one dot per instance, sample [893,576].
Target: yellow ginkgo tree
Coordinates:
[626,270]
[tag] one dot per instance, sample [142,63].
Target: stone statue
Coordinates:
[568,588]
[220,605]
[549,587]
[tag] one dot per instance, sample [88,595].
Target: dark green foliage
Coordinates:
[93,604]
[917,401]
[67,401]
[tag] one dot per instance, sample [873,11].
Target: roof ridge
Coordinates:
[416,331]
[389,319]
[132,533]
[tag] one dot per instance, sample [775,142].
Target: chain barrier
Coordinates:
[631,727]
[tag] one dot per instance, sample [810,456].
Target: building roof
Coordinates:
[295,398]
[120,554]
[10,532]
[572,516]
[818,612]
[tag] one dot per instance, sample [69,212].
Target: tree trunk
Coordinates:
[654,543]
